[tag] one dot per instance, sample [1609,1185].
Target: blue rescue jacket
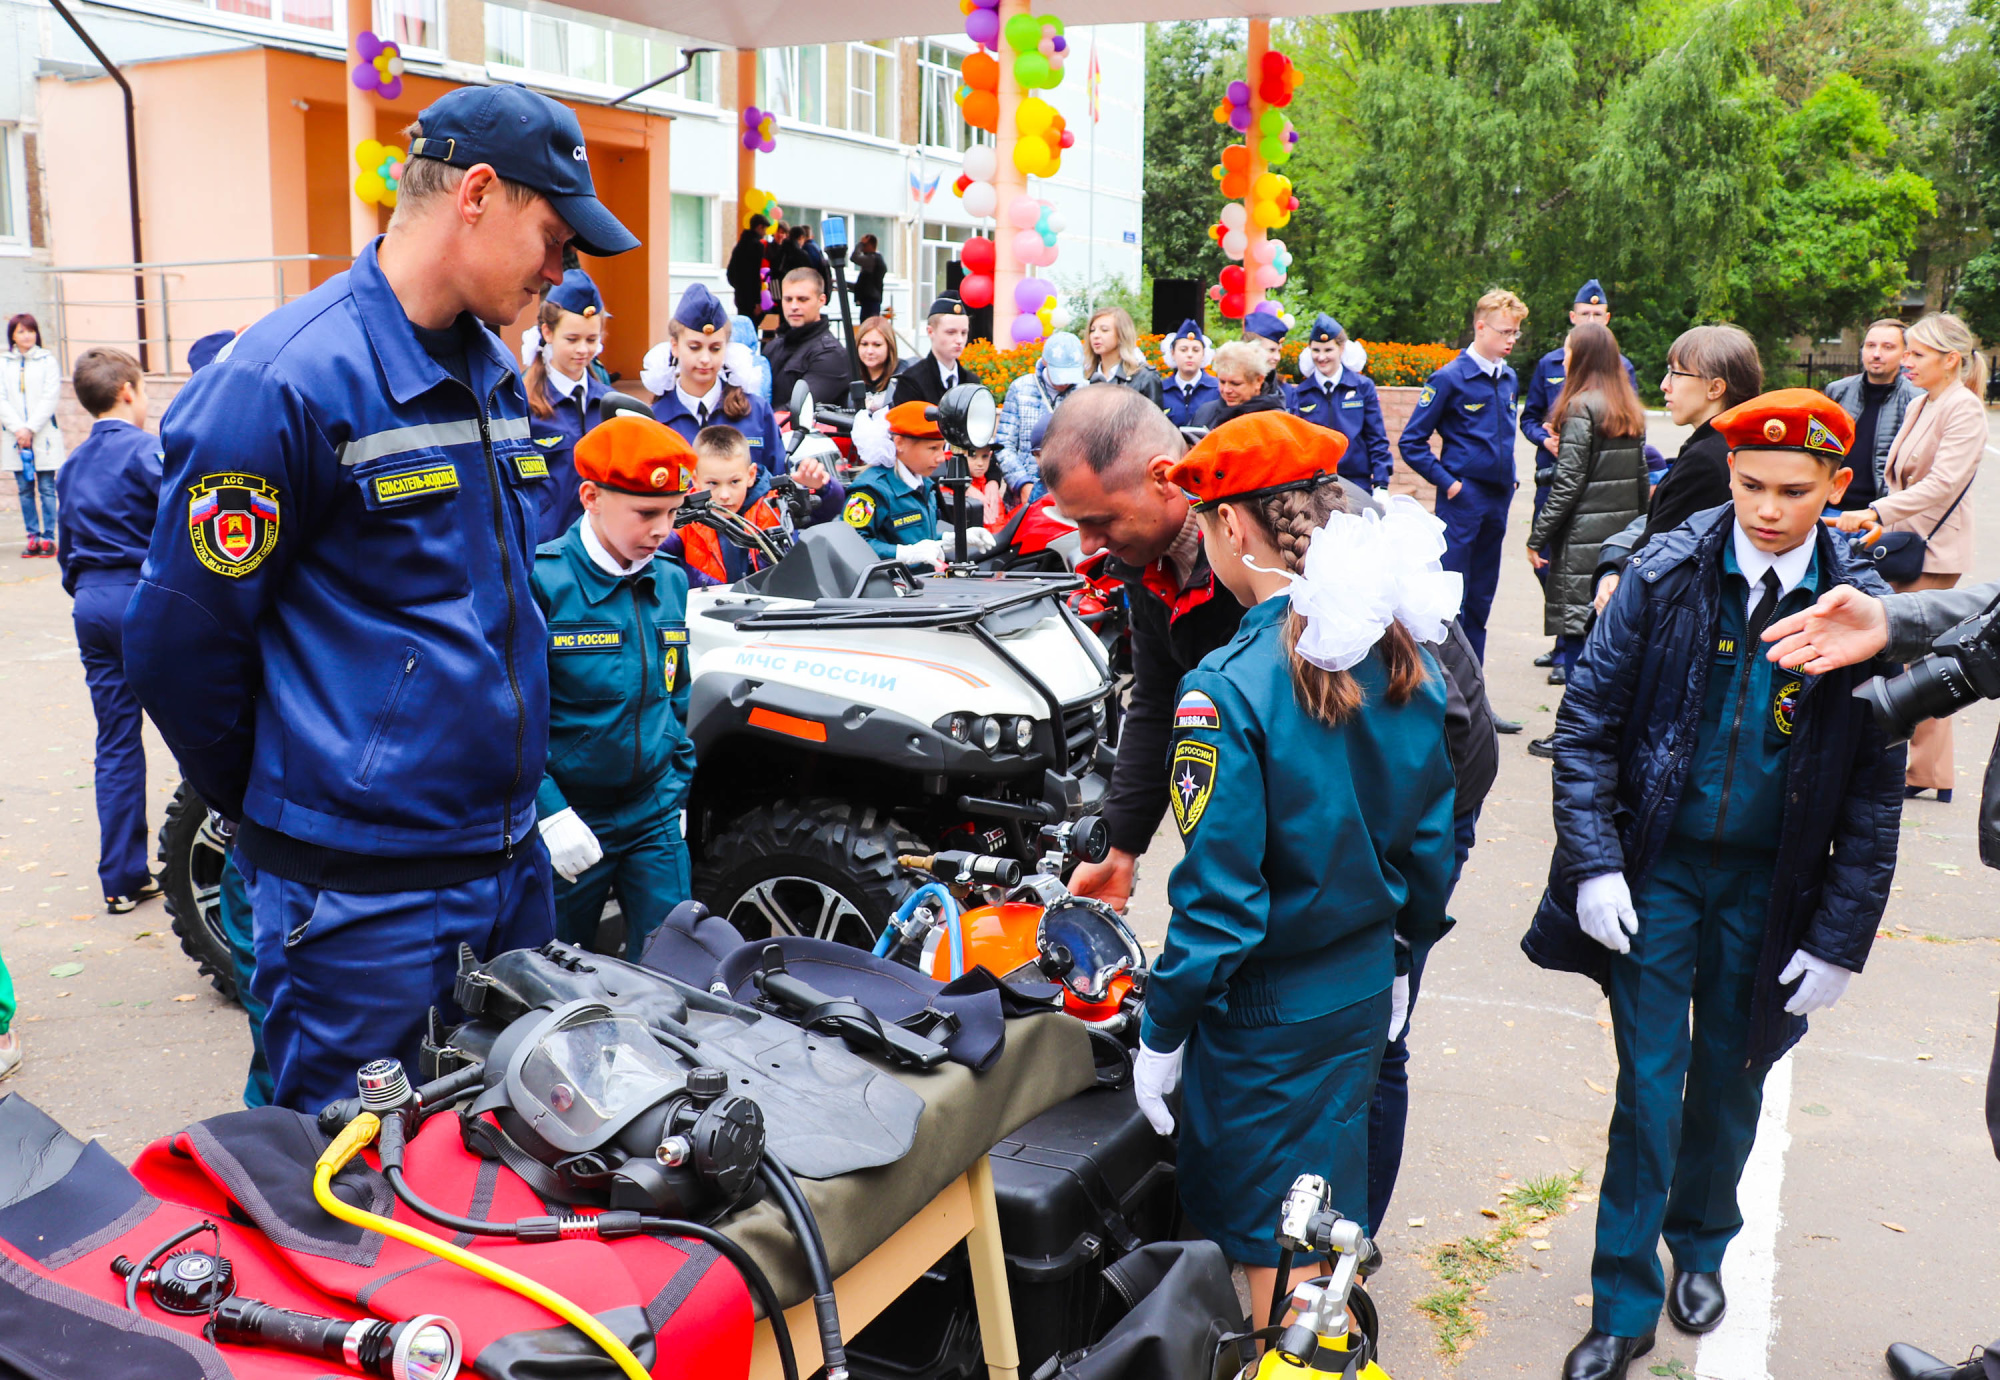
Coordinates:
[1309,847]
[108,493]
[618,676]
[1472,413]
[556,437]
[888,512]
[1351,407]
[1544,387]
[1628,737]
[334,629]
[1182,408]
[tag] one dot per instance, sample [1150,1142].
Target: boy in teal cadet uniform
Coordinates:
[1316,805]
[1725,839]
[895,506]
[619,756]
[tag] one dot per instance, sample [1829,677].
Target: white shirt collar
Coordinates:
[947,372]
[1489,367]
[565,386]
[601,555]
[1189,381]
[713,397]
[904,473]
[1791,566]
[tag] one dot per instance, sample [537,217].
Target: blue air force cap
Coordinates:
[529,139]
[700,311]
[1188,331]
[203,352]
[1591,294]
[1267,324]
[1325,328]
[578,294]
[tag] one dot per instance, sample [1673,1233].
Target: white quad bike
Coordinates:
[845,711]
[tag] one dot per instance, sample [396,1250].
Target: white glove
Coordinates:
[978,542]
[1399,1008]
[573,849]
[1604,909]
[920,553]
[1821,984]
[1154,1075]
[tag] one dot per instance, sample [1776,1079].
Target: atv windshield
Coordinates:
[595,1072]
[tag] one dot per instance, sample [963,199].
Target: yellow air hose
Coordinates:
[349,1143]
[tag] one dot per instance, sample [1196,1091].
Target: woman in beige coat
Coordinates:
[1931,463]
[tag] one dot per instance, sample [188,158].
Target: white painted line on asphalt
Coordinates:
[1740,1349]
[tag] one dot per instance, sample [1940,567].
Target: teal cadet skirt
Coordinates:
[1261,1105]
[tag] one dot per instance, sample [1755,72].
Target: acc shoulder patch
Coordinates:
[1193,781]
[1819,438]
[1785,706]
[1424,398]
[232,522]
[859,512]
[1196,710]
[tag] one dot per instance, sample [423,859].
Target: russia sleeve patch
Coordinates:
[1196,710]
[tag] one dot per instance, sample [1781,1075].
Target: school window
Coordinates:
[943,126]
[883,228]
[871,88]
[306,14]
[793,82]
[692,241]
[13,193]
[941,248]
[624,57]
[410,24]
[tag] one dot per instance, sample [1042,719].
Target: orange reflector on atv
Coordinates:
[812,730]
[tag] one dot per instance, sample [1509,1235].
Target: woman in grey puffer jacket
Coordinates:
[1600,483]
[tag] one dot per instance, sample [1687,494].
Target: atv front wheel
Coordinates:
[192,855]
[821,868]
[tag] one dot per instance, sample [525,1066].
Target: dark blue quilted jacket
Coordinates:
[1624,741]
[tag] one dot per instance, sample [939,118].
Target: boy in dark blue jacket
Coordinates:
[1725,839]
[108,495]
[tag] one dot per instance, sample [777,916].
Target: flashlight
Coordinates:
[426,1347]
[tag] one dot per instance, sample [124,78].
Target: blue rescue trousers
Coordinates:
[1475,531]
[99,615]
[234,903]
[645,864]
[347,977]
[1686,1113]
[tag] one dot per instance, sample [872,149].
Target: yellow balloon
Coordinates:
[1265,188]
[1034,116]
[368,154]
[1031,154]
[1284,219]
[1265,214]
[369,188]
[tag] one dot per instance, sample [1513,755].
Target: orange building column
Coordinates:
[1260,44]
[746,159]
[1009,183]
[361,217]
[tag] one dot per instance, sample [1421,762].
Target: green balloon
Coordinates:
[1280,155]
[1051,21]
[1032,70]
[1023,32]
[1271,122]
[1271,149]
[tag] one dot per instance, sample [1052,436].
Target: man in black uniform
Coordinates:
[1105,458]
[938,372]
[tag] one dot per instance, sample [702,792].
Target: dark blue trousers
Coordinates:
[1686,1113]
[347,977]
[645,863]
[1475,530]
[99,615]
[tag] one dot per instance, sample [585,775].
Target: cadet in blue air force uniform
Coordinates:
[1331,395]
[1310,846]
[1188,386]
[573,407]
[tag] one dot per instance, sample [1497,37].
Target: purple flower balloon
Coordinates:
[1062,44]
[1239,93]
[1239,118]
[767,145]
[1026,328]
[750,140]
[367,46]
[1029,294]
[391,88]
[982,26]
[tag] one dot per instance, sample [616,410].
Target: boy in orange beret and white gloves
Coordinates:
[1725,839]
[619,757]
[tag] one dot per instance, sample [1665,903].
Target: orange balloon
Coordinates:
[982,111]
[981,71]
[1235,157]
[1235,186]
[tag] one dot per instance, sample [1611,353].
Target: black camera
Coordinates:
[1963,665]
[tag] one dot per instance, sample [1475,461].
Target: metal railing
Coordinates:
[203,294]
[1822,367]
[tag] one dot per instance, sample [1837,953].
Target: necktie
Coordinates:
[950,382]
[1767,605]
[701,414]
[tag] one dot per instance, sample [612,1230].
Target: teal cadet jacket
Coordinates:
[1309,847]
[888,512]
[618,676]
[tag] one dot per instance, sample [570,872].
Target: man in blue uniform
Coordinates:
[573,403]
[334,629]
[620,759]
[1190,387]
[1334,396]
[1469,404]
[107,494]
[895,506]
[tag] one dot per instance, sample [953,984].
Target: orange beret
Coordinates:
[1789,419]
[1259,453]
[910,419]
[635,455]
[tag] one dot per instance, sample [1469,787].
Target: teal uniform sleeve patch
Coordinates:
[673,657]
[1196,710]
[586,637]
[1193,782]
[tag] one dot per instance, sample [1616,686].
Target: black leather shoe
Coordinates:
[1909,1363]
[1546,659]
[1559,675]
[1696,1302]
[1543,747]
[1501,725]
[1601,1356]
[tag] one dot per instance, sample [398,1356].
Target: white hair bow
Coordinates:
[659,370]
[1363,571]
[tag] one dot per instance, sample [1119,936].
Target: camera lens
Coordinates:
[1930,688]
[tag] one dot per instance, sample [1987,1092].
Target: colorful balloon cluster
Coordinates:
[979,92]
[1037,224]
[1279,79]
[1271,201]
[381,172]
[1260,202]
[975,185]
[760,130]
[757,203]
[1040,137]
[381,67]
[1265,262]
[978,255]
[1039,49]
[982,22]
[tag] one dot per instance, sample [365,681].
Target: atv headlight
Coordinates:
[989,732]
[1024,733]
[957,727]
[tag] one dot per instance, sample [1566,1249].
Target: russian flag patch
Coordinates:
[1196,710]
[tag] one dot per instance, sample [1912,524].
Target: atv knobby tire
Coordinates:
[192,855]
[823,868]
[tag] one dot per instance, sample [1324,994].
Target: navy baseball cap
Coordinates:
[1590,295]
[529,139]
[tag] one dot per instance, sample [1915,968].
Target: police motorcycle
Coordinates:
[847,711]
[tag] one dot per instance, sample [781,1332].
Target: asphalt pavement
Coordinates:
[1871,1196]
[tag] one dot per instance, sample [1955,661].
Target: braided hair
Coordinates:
[1289,519]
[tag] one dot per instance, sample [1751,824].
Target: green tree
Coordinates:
[1188,69]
